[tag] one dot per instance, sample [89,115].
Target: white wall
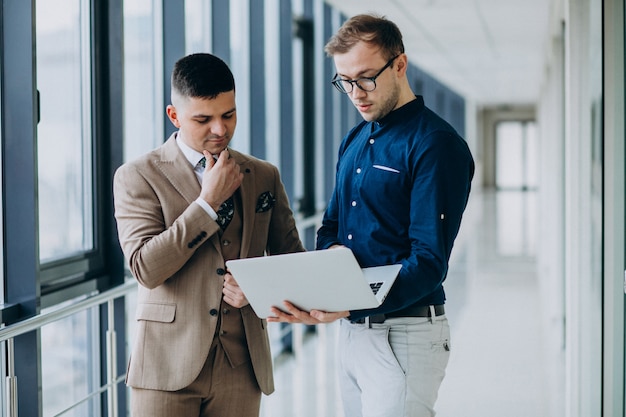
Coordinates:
[581,258]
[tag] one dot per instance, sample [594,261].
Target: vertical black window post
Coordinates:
[19,190]
[257,79]
[305,31]
[328,94]
[173,49]
[286,92]
[108,58]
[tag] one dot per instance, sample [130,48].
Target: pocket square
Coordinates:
[265,202]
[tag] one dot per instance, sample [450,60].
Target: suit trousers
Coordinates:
[219,391]
[392,369]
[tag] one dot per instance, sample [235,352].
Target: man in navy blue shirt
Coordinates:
[402,184]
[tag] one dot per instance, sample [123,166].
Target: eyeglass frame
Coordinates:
[336,81]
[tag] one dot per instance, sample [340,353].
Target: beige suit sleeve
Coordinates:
[156,247]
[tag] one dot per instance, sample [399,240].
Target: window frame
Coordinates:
[28,284]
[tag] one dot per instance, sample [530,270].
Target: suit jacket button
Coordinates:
[213,312]
[220,271]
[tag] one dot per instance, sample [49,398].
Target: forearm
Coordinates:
[154,252]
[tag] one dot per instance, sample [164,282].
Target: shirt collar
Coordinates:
[192,155]
[401,113]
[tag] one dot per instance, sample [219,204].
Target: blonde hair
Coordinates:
[372,29]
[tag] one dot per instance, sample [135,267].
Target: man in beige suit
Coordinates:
[182,211]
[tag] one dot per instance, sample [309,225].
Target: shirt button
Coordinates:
[372,141]
[350,236]
[354,204]
[222,332]
[226,242]
[358,170]
[213,312]
[225,311]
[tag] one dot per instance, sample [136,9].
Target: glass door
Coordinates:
[516,159]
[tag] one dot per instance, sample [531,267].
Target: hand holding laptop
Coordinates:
[295,315]
[232,292]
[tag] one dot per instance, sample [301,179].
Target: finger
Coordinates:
[290,306]
[293,310]
[210,161]
[224,155]
[281,316]
[230,280]
[278,313]
[235,300]
[328,317]
[318,315]
[232,292]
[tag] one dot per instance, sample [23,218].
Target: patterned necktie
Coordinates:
[225,213]
[227,209]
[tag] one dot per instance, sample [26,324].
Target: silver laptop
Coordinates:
[328,280]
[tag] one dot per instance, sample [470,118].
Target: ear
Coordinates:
[173,115]
[401,65]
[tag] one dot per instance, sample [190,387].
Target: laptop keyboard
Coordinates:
[375,286]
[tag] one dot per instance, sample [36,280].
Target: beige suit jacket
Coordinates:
[174,252]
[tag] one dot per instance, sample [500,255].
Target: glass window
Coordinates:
[70,365]
[143,104]
[64,132]
[197,30]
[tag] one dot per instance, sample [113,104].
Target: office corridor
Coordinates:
[497,363]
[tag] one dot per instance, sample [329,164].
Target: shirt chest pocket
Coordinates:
[387,179]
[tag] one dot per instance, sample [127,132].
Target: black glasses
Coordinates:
[364,83]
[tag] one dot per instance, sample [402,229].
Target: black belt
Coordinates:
[414,311]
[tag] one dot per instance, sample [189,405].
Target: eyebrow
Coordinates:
[358,75]
[204,116]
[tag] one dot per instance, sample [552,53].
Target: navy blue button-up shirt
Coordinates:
[402,185]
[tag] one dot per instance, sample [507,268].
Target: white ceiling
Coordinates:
[492,52]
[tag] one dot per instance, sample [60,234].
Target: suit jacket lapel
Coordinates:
[178,171]
[247,193]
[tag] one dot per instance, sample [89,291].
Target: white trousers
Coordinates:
[392,369]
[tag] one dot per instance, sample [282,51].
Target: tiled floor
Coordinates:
[496,367]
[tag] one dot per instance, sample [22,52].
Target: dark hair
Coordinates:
[369,28]
[201,75]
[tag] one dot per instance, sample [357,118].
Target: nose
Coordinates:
[357,92]
[218,128]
